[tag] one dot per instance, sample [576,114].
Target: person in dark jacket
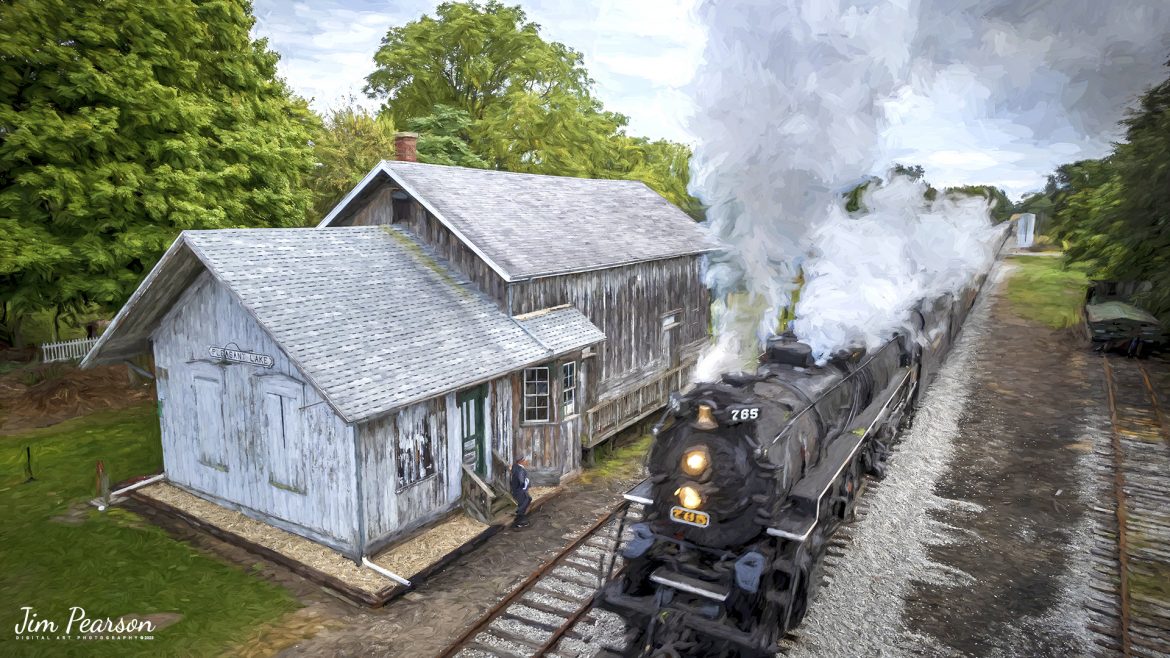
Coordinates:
[519,485]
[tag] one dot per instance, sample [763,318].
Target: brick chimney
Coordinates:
[406,147]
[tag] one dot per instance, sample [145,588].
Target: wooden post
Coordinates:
[28,472]
[103,484]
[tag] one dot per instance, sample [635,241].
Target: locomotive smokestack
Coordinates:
[786,350]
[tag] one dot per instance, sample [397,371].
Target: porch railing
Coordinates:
[481,500]
[621,411]
[67,350]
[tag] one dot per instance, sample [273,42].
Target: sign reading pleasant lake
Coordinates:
[241,357]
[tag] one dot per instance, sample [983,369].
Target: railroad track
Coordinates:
[549,612]
[1129,608]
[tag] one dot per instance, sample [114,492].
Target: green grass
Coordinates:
[111,563]
[1040,289]
[621,461]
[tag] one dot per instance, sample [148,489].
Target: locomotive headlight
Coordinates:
[689,498]
[695,461]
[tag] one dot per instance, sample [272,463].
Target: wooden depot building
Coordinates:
[351,382]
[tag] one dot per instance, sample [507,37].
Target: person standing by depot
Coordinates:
[519,485]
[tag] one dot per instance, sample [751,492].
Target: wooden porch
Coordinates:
[633,404]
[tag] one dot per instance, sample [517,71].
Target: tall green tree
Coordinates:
[1115,212]
[122,123]
[351,141]
[444,138]
[483,88]
[528,101]
[473,57]
[1001,206]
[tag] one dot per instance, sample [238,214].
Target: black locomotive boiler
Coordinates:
[750,476]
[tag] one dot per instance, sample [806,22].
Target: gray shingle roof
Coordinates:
[528,225]
[562,329]
[370,314]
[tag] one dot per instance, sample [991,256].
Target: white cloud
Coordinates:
[639,53]
[992,114]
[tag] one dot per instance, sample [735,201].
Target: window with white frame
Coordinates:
[537,406]
[568,389]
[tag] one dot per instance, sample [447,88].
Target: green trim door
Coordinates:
[471,422]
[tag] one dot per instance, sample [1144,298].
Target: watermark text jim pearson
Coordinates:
[35,625]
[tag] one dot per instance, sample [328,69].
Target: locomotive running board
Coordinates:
[801,533]
[640,493]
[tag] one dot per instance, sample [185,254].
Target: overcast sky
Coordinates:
[643,54]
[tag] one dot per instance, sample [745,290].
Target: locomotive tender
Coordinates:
[750,476]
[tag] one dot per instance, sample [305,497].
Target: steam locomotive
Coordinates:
[750,476]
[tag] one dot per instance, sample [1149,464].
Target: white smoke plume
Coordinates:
[866,274]
[801,100]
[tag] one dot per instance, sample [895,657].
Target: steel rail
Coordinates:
[482,624]
[1121,512]
[1155,404]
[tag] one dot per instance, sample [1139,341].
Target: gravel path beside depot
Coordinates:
[976,543]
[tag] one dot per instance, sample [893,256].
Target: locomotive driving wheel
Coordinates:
[795,598]
[800,601]
[848,487]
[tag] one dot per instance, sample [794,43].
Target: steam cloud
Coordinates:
[796,100]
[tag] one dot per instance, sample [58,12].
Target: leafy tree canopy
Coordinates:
[1115,212]
[444,136]
[1001,206]
[122,123]
[474,57]
[484,89]
[913,172]
[349,144]
[666,167]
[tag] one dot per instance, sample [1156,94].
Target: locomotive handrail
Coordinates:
[776,532]
[813,404]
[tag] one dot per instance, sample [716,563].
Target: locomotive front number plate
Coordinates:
[689,517]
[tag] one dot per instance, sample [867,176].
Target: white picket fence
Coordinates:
[67,350]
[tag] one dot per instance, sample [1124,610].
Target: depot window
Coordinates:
[537,405]
[568,389]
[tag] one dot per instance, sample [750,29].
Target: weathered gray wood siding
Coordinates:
[389,508]
[380,208]
[375,210]
[554,447]
[628,303]
[218,422]
[392,510]
[501,425]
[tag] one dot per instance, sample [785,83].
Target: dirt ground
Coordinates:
[39,395]
[1019,477]
[423,622]
[1015,564]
